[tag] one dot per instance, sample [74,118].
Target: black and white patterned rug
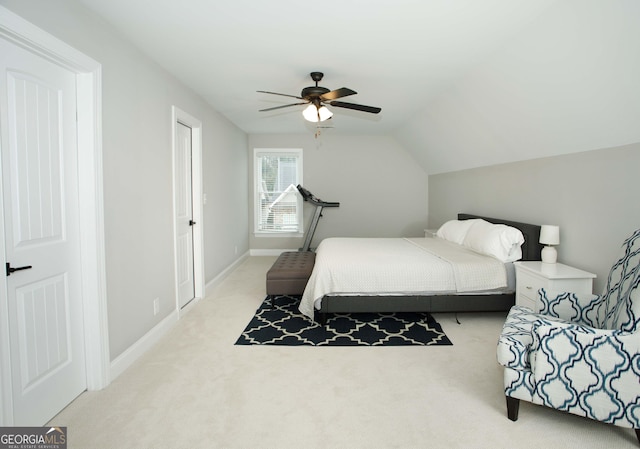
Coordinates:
[285,325]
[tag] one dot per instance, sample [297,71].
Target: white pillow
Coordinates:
[498,240]
[455,230]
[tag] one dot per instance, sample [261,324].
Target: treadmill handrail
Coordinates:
[319,202]
[308,196]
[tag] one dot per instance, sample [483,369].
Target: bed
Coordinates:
[358,279]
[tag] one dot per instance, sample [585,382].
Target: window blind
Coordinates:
[278,205]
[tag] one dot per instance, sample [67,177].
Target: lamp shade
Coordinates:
[313,114]
[549,235]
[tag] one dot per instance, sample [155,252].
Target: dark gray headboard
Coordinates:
[531,247]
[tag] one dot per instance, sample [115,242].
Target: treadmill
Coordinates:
[310,197]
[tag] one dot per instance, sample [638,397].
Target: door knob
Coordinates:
[11,269]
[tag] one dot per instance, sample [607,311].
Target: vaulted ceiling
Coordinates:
[395,54]
[461,83]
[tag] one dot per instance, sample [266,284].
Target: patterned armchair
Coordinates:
[579,353]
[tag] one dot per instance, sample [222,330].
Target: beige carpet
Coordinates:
[196,389]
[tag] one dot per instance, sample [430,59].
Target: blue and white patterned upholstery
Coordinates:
[581,352]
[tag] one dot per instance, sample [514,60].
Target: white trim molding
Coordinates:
[121,363]
[213,283]
[178,115]
[258,153]
[142,345]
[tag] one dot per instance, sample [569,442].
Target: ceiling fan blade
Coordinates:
[338,93]
[357,107]
[276,93]
[280,107]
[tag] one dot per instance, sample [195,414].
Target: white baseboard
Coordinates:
[213,283]
[148,340]
[187,308]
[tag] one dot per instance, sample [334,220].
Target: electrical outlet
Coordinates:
[236,250]
[156,306]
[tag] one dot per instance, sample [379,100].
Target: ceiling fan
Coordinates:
[317,97]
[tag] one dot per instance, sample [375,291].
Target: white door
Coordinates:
[184,214]
[40,212]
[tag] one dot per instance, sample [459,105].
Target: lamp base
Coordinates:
[549,254]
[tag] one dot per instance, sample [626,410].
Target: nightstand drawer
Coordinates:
[532,276]
[528,286]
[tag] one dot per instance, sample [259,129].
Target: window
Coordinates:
[278,206]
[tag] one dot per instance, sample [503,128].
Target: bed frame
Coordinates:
[437,303]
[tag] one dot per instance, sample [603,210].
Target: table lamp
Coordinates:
[549,235]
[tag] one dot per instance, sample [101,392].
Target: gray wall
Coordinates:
[381,190]
[137,162]
[593,196]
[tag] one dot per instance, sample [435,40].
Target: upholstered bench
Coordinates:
[289,273]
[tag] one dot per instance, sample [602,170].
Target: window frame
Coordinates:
[257,178]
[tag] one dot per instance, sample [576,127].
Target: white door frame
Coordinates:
[15,29]
[178,115]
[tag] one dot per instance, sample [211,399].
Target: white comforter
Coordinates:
[396,266]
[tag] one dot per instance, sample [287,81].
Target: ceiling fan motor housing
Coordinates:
[313,92]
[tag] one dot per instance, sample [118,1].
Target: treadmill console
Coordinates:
[308,196]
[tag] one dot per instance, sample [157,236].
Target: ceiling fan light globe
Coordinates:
[310,113]
[313,114]
[325,113]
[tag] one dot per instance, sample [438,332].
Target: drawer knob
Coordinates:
[529,287]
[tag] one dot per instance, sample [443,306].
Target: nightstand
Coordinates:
[532,276]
